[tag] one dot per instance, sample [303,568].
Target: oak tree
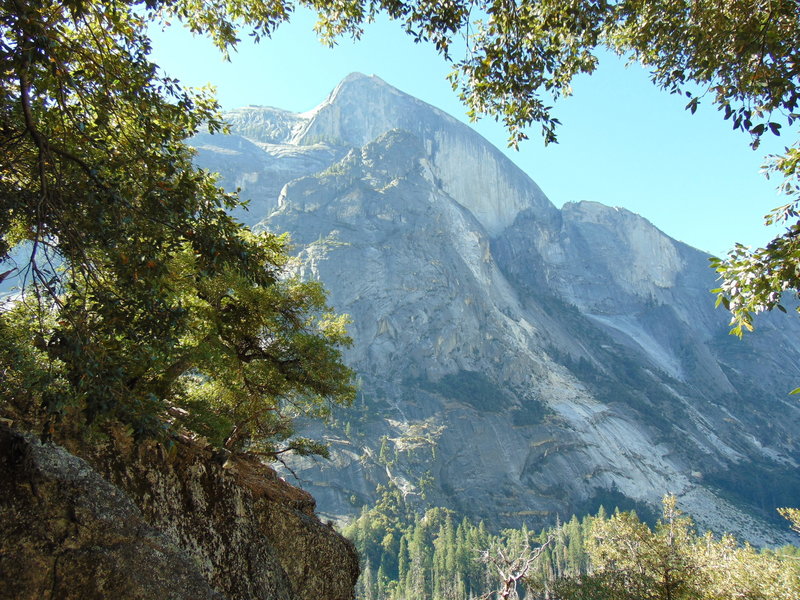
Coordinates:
[141,294]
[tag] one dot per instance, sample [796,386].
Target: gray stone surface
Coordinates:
[250,533]
[133,521]
[69,534]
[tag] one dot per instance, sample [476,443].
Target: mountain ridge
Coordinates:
[516,360]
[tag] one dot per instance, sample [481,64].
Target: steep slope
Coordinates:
[517,362]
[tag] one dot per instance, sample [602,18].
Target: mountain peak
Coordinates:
[366,100]
[355,76]
[364,107]
[353,84]
[361,109]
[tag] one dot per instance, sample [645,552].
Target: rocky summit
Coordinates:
[517,362]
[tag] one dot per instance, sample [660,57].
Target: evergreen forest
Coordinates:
[434,554]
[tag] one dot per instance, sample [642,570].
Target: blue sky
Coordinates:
[623,142]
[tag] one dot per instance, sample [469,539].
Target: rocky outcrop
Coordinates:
[68,533]
[134,521]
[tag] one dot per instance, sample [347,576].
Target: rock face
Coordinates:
[68,533]
[155,526]
[517,362]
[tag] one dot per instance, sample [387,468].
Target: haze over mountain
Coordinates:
[517,362]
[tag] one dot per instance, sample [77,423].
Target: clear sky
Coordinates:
[623,142]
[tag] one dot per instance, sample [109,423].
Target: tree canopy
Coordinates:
[630,561]
[142,293]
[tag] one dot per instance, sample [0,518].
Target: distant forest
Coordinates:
[435,555]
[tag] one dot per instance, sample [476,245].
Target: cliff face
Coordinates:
[131,521]
[517,361]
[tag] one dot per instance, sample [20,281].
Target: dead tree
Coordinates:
[511,568]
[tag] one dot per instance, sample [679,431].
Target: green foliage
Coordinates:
[28,377]
[755,281]
[628,560]
[142,293]
[793,515]
[432,555]
[413,555]
[613,497]
[631,558]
